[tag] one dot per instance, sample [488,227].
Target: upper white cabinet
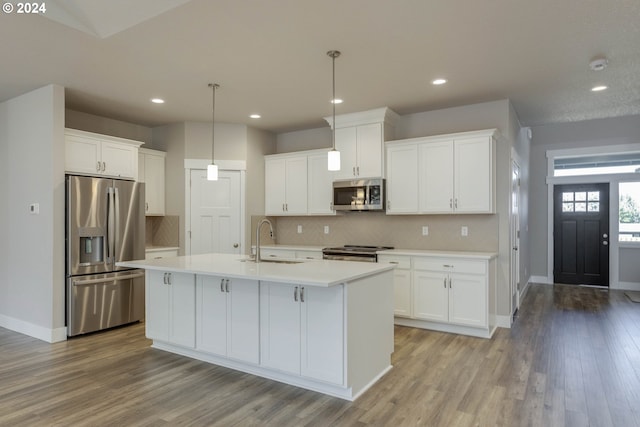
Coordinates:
[94,154]
[285,185]
[360,139]
[298,184]
[151,171]
[451,174]
[319,185]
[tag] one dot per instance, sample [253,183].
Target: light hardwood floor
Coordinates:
[572,358]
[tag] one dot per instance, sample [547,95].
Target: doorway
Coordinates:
[515,237]
[215,213]
[581,234]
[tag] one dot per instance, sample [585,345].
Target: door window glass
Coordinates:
[581,201]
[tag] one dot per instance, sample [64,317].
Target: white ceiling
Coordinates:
[269,56]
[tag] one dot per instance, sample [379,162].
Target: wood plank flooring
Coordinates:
[572,358]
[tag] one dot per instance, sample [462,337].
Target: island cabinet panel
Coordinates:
[301,330]
[170,309]
[227,317]
[402,284]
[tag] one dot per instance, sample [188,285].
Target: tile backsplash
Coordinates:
[162,231]
[399,231]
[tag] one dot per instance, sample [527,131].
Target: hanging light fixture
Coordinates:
[212,169]
[333,157]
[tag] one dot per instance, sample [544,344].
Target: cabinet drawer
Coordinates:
[403,262]
[277,253]
[452,265]
[308,255]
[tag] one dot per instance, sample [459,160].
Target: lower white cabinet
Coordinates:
[227,317]
[290,253]
[301,330]
[170,308]
[451,294]
[401,284]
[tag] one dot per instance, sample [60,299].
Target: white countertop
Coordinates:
[309,272]
[448,254]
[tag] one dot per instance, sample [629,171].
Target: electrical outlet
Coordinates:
[326,229]
[299,229]
[464,231]
[34,208]
[425,230]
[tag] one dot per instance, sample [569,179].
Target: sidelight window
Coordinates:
[629,212]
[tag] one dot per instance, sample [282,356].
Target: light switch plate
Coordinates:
[464,231]
[326,229]
[299,229]
[425,230]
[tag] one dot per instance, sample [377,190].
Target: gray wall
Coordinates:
[91,123]
[32,246]
[592,133]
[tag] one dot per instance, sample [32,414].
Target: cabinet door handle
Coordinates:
[456,203]
[358,169]
[226,285]
[295,294]
[146,206]
[449,282]
[451,203]
[354,171]
[302,294]
[164,278]
[221,285]
[97,166]
[168,278]
[104,166]
[445,282]
[388,204]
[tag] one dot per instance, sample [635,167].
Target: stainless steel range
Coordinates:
[354,253]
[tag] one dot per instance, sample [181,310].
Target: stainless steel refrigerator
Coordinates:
[104,224]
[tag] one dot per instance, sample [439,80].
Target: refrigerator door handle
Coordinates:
[110,225]
[116,220]
[111,279]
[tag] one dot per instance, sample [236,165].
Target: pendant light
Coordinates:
[333,157]
[212,169]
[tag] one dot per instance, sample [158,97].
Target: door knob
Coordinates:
[605,243]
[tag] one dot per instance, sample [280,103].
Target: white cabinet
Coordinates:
[151,171]
[452,173]
[445,293]
[160,253]
[286,185]
[93,154]
[402,179]
[457,175]
[227,317]
[360,139]
[170,307]
[451,290]
[301,330]
[401,284]
[319,185]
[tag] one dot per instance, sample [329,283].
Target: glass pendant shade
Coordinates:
[212,172]
[333,160]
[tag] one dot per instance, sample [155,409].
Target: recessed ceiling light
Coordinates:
[439,82]
[157,100]
[598,88]
[337,101]
[255,116]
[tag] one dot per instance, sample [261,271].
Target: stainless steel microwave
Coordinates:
[359,195]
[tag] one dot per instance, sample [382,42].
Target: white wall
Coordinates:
[591,133]
[97,124]
[32,250]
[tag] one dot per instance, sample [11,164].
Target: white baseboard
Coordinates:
[541,279]
[35,331]
[503,321]
[627,286]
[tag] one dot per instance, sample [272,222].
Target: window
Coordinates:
[597,164]
[581,201]
[629,213]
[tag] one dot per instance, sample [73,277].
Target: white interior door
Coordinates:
[515,236]
[215,213]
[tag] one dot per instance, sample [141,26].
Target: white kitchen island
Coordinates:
[321,325]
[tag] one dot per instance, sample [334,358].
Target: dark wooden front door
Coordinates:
[581,234]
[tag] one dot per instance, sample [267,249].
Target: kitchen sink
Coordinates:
[273,261]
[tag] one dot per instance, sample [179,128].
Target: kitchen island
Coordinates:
[321,325]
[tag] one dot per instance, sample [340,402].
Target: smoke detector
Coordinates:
[599,64]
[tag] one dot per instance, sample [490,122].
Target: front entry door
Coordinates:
[581,234]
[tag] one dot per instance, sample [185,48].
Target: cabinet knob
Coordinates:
[235,245]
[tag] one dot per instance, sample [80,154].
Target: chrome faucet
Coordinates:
[262,221]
